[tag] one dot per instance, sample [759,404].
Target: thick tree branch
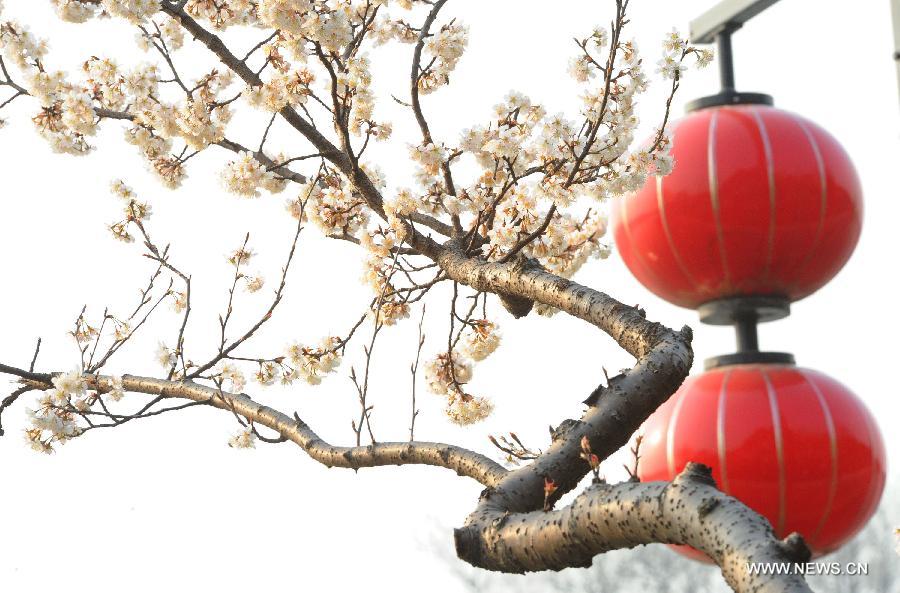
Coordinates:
[462,461]
[507,532]
[523,278]
[689,510]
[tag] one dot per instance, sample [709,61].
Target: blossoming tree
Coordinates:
[508,210]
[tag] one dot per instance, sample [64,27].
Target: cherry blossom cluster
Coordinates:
[335,207]
[134,211]
[244,439]
[312,363]
[198,120]
[464,409]
[75,11]
[79,11]
[481,340]
[522,183]
[245,176]
[55,419]
[671,65]
[239,259]
[66,116]
[229,374]
[450,370]
[388,306]
[445,375]
[444,49]
[69,111]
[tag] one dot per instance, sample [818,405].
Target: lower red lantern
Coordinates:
[791,443]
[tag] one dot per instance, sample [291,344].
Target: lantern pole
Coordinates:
[746,334]
[895,14]
[716,25]
[726,59]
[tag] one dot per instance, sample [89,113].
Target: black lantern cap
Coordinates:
[723,360]
[731,97]
[733,310]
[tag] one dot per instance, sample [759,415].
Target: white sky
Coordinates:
[165,504]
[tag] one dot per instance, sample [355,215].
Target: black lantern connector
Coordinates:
[745,313]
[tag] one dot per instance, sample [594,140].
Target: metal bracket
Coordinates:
[717,25]
[729,13]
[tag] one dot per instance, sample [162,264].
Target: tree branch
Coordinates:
[462,461]
[689,510]
[415,76]
[325,147]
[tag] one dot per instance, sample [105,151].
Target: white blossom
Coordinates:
[75,11]
[179,301]
[229,372]
[443,380]
[122,331]
[244,439]
[480,340]
[670,67]
[78,112]
[312,364]
[704,57]
[663,163]
[332,30]
[119,188]
[446,47]
[285,15]
[266,373]
[674,42]
[336,210]
[71,383]
[281,90]
[165,356]
[172,34]
[245,176]
[465,409]
[254,283]
[135,11]
[116,389]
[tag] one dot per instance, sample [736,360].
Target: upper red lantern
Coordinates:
[792,444]
[761,202]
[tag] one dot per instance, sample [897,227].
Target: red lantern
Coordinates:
[791,443]
[761,202]
[762,209]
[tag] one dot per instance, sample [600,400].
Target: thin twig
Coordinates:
[414,368]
